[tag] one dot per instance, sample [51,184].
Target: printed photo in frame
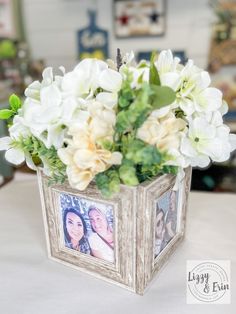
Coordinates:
[166,219]
[139,18]
[170,207]
[87,226]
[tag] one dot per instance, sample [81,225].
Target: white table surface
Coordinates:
[30,283]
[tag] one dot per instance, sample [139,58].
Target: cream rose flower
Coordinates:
[83,163]
[84,156]
[165,131]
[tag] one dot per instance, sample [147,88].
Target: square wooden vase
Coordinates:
[139,228]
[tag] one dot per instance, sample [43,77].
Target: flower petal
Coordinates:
[30,162]
[5,143]
[165,61]
[15,156]
[201,161]
[55,136]
[187,106]
[47,76]
[212,148]
[79,179]
[116,158]
[33,90]
[109,100]
[65,155]
[187,148]
[170,79]
[203,80]
[232,140]
[209,100]
[84,158]
[50,96]
[110,80]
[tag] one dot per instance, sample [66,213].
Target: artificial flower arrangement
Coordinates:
[118,123]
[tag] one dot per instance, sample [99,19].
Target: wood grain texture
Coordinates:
[134,215]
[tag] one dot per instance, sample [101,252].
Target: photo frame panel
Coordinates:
[139,18]
[183,194]
[166,211]
[149,193]
[83,208]
[122,271]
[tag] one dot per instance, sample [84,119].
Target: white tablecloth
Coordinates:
[32,284]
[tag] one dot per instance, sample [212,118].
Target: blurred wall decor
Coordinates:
[139,18]
[223,45]
[54,37]
[146,55]
[227,84]
[92,40]
[7,28]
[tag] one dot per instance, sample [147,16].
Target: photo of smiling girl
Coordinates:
[75,231]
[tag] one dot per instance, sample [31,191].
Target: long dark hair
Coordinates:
[72,210]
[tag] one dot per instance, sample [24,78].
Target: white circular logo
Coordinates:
[208,282]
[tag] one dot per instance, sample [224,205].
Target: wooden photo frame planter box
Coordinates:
[139,219]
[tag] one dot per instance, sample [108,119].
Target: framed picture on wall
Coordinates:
[139,18]
[7,27]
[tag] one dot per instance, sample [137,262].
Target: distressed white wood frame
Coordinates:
[134,223]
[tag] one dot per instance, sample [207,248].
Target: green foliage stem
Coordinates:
[41,154]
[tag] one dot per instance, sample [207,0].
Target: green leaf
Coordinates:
[122,121]
[128,175]
[108,182]
[14,102]
[123,102]
[142,153]
[161,96]
[171,169]
[6,114]
[140,79]
[154,77]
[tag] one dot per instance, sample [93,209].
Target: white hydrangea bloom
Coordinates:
[207,140]
[168,69]
[76,113]
[16,155]
[190,83]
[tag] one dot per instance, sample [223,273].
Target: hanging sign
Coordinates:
[92,41]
